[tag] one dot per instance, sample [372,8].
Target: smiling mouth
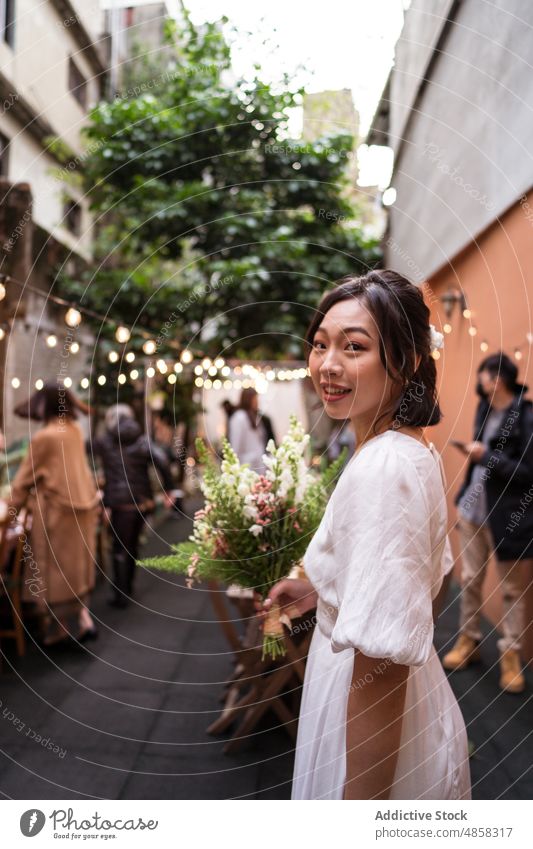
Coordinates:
[334,393]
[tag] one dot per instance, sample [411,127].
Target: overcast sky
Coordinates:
[339,43]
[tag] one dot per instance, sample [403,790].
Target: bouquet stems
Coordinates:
[273,637]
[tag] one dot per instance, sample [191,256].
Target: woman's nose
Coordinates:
[330,366]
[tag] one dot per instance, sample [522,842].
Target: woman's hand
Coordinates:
[292,593]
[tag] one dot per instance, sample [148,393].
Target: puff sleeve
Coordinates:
[384,575]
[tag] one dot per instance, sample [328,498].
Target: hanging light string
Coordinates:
[75,311]
[473,331]
[209,374]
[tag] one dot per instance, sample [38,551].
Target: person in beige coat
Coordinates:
[55,483]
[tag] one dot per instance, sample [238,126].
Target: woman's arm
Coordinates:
[373,726]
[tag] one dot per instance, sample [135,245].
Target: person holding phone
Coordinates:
[494,516]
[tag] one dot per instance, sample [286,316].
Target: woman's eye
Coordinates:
[354,346]
[318,344]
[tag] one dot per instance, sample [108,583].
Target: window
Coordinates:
[7,21]
[77,83]
[72,217]
[4,155]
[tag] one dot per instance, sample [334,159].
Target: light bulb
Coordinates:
[51,340]
[112,356]
[73,317]
[186,356]
[122,334]
[149,347]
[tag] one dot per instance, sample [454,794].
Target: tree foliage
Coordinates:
[207,212]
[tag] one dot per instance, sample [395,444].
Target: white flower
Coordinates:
[250,512]
[256,530]
[437,338]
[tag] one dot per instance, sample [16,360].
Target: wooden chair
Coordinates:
[13,538]
[259,685]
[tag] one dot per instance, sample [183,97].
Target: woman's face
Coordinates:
[345,365]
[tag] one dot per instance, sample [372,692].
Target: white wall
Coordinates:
[467,154]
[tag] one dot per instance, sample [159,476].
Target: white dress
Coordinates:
[377,561]
[247,442]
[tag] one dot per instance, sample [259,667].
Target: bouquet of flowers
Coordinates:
[254,527]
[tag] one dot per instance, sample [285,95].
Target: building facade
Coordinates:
[457,113]
[53,71]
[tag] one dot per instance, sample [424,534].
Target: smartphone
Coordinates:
[458,444]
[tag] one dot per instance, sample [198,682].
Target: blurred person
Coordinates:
[55,482]
[229,409]
[126,455]
[250,431]
[494,517]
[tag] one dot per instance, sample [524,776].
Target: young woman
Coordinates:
[55,481]
[249,430]
[378,717]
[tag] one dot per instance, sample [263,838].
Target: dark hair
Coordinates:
[500,365]
[245,403]
[402,319]
[50,402]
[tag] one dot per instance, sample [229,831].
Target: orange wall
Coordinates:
[496,274]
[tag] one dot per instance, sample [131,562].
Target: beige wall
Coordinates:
[496,274]
[37,67]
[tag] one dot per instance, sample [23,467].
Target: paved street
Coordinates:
[125,716]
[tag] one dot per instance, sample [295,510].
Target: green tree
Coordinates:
[207,213]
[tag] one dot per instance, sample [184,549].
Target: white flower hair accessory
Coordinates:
[437,338]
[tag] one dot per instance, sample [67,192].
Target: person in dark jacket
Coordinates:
[126,455]
[495,515]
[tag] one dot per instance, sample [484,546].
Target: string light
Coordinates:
[212,370]
[130,356]
[219,362]
[134,374]
[39,384]
[198,370]
[51,340]
[178,367]
[472,330]
[149,347]
[206,362]
[73,317]
[186,356]
[67,382]
[122,334]
[172,377]
[84,383]
[74,348]
[150,371]
[122,378]
[199,381]
[102,379]
[484,346]
[112,357]
[518,354]
[447,328]
[2,291]
[162,366]
[15,383]
[467,313]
